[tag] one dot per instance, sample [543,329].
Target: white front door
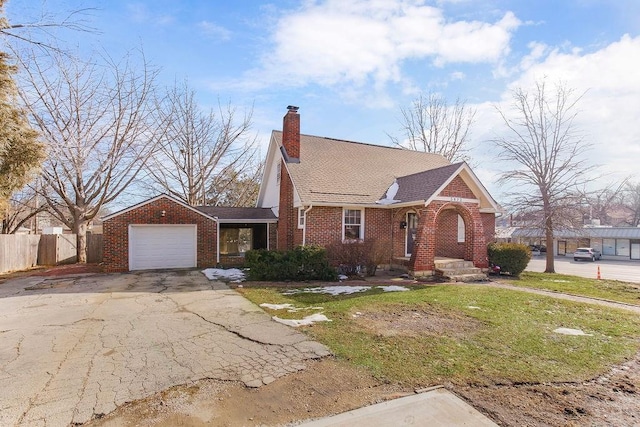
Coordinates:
[162,246]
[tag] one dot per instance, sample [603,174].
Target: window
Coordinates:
[301,216]
[278,172]
[352,224]
[460,229]
[235,241]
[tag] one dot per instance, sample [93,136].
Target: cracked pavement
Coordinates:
[74,348]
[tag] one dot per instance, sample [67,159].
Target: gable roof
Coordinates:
[239,214]
[153,199]
[333,171]
[424,185]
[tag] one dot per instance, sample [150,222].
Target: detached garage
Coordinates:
[161,232]
[164,232]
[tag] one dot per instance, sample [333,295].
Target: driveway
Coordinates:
[627,271]
[73,348]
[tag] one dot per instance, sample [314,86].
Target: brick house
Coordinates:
[316,191]
[324,190]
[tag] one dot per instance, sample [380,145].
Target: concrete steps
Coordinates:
[458,270]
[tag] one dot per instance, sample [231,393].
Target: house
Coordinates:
[325,190]
[317,191]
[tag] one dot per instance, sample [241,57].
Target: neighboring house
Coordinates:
[325,190]
[317,191]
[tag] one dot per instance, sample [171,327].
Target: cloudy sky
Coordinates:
[351,65]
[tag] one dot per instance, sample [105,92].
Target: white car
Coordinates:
[586,253]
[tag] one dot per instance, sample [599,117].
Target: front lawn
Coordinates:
[606,289]
[465,334]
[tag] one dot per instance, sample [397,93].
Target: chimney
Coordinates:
[291,133]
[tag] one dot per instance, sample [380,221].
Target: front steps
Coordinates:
[458,270]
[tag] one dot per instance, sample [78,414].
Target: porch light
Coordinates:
[403,225]
[163,213]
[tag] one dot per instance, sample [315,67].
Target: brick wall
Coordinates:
[287,215]
[324,225]
[457,188]
[116,232]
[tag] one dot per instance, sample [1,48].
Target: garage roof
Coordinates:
[153,199]
[230,214]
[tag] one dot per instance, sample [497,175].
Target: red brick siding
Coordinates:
[377,224]
[273,236]
[291,134]
[457,188]
[399,235]
[324,225]
[116,232]
[489,225]
[287,215]
[447,236]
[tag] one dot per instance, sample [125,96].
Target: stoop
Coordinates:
[458,270]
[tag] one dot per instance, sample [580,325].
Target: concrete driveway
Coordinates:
[72,348]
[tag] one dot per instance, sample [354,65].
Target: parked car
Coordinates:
[586,253]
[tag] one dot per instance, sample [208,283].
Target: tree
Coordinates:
[432,126]
[98,119]
[233,188]
[20,151]
[630,200]
[546,153]
[198,146]
[23,209]
[600,203]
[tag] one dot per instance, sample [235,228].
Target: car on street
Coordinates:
[586,253]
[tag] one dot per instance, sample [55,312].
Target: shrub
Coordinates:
[511,257]
[355,258]
[301,263]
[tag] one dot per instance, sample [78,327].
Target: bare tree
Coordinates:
[546,154]
[233,188]
[433,126]
[600,203]
[630,200]
[198,146]
[98,120]
[24,207]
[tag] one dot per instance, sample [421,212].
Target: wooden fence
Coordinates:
[18,252]
[21,251]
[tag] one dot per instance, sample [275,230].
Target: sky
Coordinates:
[352,65]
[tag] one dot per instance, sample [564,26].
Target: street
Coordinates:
[627,271]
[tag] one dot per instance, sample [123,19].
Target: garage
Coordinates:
[154,246]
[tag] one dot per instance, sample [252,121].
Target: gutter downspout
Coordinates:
[217,240]
[304,226]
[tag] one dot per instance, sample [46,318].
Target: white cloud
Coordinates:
[361,42]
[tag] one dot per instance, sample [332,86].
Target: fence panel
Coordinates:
[57,249]
[94,248]
[18,251]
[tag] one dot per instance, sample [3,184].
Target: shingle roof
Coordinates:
[344,172]
[423,185]
[229,213]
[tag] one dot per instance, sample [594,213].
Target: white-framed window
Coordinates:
[460,229]
[301,217]
[352,224]
[278,172]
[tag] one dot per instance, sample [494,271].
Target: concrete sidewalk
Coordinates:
[436,407]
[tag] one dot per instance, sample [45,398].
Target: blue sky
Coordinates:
[351,65]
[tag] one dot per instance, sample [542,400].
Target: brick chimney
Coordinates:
[291,133]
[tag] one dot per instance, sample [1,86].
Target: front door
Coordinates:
[412,229]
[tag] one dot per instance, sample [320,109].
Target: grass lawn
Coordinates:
[464,334]
[607,289]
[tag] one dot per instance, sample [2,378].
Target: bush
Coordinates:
[301,263]
[355,258]
[511,257]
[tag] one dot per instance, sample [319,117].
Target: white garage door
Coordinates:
[162,246]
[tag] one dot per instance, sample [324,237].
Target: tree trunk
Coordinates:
[548,234]
[81,240]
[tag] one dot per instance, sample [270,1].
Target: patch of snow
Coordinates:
[393,288]
[331,290]
[358,314]
[473,307]
[569,331]
[276,306]
[233,275]
[556,280]
[308,320]
[342,277]
[389,197]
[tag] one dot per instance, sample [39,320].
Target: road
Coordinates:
[627,271]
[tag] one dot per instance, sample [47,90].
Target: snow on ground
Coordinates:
[233,275]
[342,290]
[569,331]
[308,320]
[289,307]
